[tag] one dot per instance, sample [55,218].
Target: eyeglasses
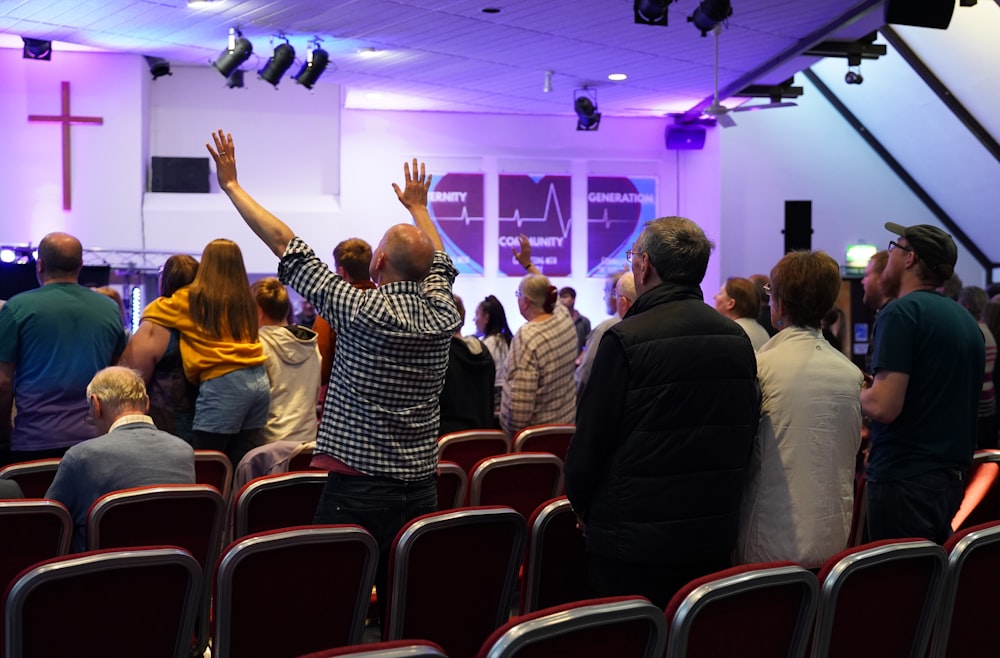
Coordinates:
[517,293]
[630,254]
[894,245]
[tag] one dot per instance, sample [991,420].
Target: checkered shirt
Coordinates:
[538,384]
[382,409]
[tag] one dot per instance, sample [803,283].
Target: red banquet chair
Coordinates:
[899,579]
[522,481]
[969,604]
[763,610]
[555,562]
[112,603]
[981,502]
[466,448]
[283,500]
[264,582]
[623,627]
[452,576]
[34,477]
[389,649]
[545,438]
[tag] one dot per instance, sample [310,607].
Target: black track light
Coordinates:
[36,49]
[282,58]
[853,77]
[158,67]
[238,51]
[585,105]
[316,62]
[709,14]
[650,12]
[235,79]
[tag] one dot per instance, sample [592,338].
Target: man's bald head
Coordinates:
[405,254]
[60,256]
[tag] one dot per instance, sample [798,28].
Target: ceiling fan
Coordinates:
[719,111]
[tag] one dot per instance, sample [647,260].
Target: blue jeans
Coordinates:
[381,506]
[919,506]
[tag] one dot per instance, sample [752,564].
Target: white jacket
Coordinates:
[799,496]
[293,366]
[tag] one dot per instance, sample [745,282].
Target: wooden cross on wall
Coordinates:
[66,119]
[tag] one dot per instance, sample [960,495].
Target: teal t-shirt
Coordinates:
[57,337]
[938,344]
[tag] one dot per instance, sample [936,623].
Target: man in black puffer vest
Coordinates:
[665,427]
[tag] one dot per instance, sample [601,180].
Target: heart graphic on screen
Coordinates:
[538,207]
[456,205]
[617,207]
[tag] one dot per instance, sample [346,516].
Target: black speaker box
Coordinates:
[180,175]
[921,13]
[798,225]
[685,138]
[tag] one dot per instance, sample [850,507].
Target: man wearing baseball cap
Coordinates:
[922,397]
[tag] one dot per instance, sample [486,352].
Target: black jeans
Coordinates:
[919,506]
[381,506]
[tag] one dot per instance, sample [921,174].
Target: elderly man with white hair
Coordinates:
[624,296]
[129,452]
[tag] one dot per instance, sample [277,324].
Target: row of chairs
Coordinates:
[898,598]
[468,447]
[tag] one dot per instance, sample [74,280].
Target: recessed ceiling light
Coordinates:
[491,10]
[202,4]
[373,95]
[617,77]
[367,51]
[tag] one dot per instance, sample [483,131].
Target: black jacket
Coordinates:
[664,432]
[467,396]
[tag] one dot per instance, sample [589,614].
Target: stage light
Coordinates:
[36,49]
[585,105]
[316,62]
[238,51]
[709,14]
[235,80]
[650,12]
[281,60]
[7,255]
[853,77]
[158,67]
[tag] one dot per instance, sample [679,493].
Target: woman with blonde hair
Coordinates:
[537,384]
[217,319]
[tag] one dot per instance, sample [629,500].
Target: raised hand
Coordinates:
[414,192]
[224,155]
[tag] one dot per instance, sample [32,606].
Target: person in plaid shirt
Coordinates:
[378,434]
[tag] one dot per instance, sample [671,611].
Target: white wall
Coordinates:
[810,153]
[107,177]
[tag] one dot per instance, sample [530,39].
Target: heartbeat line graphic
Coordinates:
[551,203]
[607,221]
[464,217]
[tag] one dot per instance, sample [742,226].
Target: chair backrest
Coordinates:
[214,468]
[522,481]
[466,448]
[138,602]
[555,563]
[34,477]
[899,581]
[623,627]
[981,503]
[969,603]
[389,649]
[277,501]
[545,438]
[761,610]
[452,485]
[32,530]
[264,582]
[452,576]
[186,515]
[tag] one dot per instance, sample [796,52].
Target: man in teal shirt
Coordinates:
[52,341]
[923,399]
